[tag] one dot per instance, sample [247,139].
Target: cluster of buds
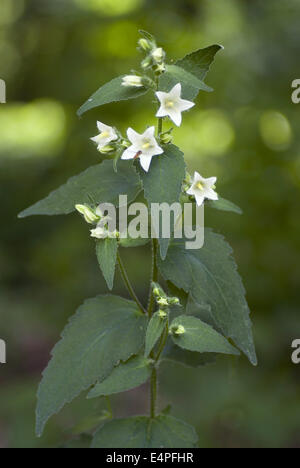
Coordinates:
[155,57]
[163,301]
[93,215]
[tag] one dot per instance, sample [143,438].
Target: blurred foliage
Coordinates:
[53,55]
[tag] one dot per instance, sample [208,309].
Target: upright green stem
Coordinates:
[154,279]
[159,126]
[128,284]
[153,393]
[154,276]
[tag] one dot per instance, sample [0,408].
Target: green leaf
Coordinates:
[111,92]
[141,432]
[98,183]
[224,205]
[104,331]
[198,63]
[90,423]
[191,85]
[162,184]
[187,358]
[201,311]
[125,376]
[155,329]
[200,337]
[106,251]
[210,275]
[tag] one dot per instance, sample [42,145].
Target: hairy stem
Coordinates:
[154,279]
[128,284]
[160,126]
[154,276]
[163,341]
[153,393]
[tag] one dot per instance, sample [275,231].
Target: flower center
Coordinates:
[104,134]
[147,144]
[200,186]
[169,104]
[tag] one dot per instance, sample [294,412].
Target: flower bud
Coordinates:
[158,55]
[166,138]
[133,80]
[162,314]
[163,302]
[173,301]
[178,330]
[160,68]
[88,214]
[156,292]
[145,44]
[99,233]
[107,149]
[147,62]
[125,143]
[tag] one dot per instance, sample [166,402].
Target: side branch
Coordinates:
[128,284]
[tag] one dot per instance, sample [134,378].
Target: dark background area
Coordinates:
[53,55]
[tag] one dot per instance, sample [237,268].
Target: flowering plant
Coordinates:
[196,308]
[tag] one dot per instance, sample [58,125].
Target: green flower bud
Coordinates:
[145,44]
[178,330]
[162,314]
[125,143]
[88,214]
[173,301]
[162,301]
[166,138]
[146,63]
[133,81]
[160,69]
[107,149]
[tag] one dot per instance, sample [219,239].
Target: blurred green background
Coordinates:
[53,55]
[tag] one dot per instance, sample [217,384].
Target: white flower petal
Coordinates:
[199,198]
[162,112]
[185,105]
[161,95]
[176,91]
[211,181]
[157,150]
[149,133]
[176,117]
[133,135]
[96,139]
[197,177]
[129,153]
[101,126]
[145,162]
[212,195]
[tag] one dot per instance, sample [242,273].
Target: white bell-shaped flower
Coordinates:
[171,104]
[202,188]
[143,147]
[106,136]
